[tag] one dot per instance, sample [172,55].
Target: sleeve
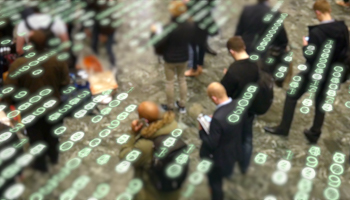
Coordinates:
[212,140]
[313,39]
[229,83]
[58,27]
[282,38]
[21,29]
[163,41]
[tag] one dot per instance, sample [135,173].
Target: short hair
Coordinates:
[322,5]
[235,43]
[38,39]
[177,8]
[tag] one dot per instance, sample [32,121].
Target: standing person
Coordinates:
[142,136]
[222,144]
[251,26]
[344,3]
[240,74]
[174,47]
[318,35]
[36,21]
[54,75]
[201,33]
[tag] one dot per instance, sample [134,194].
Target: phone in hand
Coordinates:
[307,38]
[142,121]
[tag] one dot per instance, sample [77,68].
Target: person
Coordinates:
[200,43]
[160,123]
[55,75]
[58,28]
[252,27]
[236,79]
[318,34]
[344,3]
[175,54]
[222,144]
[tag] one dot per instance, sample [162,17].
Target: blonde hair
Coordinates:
[168,117]
[177,8]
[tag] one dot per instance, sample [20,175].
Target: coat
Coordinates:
[142,164]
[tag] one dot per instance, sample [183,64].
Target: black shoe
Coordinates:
[181,109]
[274,130]
[311,136]
[165,107]
[210,51]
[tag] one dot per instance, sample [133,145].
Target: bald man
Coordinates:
[223,144]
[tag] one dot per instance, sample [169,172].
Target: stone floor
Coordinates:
[140,69]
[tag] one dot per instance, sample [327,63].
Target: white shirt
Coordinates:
[37,21]
[224,103]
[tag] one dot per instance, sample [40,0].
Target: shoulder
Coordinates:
[144,145]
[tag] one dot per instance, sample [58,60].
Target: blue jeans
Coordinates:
[109,44]
[247,143]
[190,55]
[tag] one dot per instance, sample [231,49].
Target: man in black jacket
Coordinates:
[329,29]
[223,142]
[251,26]
[241,73]
[174,49]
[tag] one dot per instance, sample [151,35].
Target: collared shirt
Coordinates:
[224,103]
[327,21]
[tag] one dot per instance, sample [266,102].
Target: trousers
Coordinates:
[170,69]
[215,179]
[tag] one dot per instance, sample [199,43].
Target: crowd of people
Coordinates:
[226,143]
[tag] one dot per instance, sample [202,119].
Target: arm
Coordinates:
[229,83]
[240,28]
[19,45]
[310,59]
[212,140]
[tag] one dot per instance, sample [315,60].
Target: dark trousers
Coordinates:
[291,102]
[215,179]
[247,142]
[109,44]
[198,55]
[41,131]
[346,1]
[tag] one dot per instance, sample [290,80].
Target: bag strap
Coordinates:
[27,24]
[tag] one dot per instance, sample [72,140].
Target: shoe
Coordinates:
[166,108]
[311,136]
[274,131]
[191,73]
[181,109]
[210,51]
[199,69]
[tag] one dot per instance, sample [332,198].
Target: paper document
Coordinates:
[204,120]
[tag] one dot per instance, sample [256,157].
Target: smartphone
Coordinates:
[307,38]
[207,118]
[142,121]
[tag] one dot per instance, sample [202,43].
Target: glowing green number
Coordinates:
[308,52]
[279,75]
[74,101]
[181,159]
[90,106]
[84,152]
[122,167]
[7,153]
[63,56]
[294,84]
[28,119]
[98,98]
[45,92]
[97,118]
[107,92]
[2,107]
[307,102]
[69,90]
[24,106]
[83,94]
[50,103]
[305,185]
[60,130]
[5,41]
[54,116]
[39,111]
[174,170]
[5,136]
[123,139]
[315,151]
[204,166]
[14,191]
[77,136]
[24,160]
[133,155]
[21,94]
[176,133]
[101,191]
[27,47]
[80,114]
[331,193]
[169,142]
[104,133]
[130,108]
[30,55]
[114,103]
[310,47]
[124,196]
[73,163]
[304,110]
[103,159]
[233,118]
[260,158]
[81,182]
[10,171]
[106,111]
[68,194]
[34,99]
[17,128]
[95,142]
[122,116]
[282,69]
[334,181]
[311,161]
[337,169]
[78,47]
[66,145]
[122,96]
[13,114]
[196,178]
[42,58]
[37,149]
[7,90]
[114,124]
[339,158]
[135,186]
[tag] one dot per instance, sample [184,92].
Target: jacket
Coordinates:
[142,164]
[223,145]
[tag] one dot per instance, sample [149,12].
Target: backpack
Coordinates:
[47,31]
[159,165]
[264,96]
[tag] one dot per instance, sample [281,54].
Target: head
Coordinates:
[235,45]
[156,119]
[177,8]
[322,9]
[38,39]
[217,93]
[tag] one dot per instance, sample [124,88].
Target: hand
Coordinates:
[154,28]
[225,70]
[305,43]
[211,116]
[200,126]
[134,127]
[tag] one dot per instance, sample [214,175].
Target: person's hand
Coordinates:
[305,43]
[154,28]
[134,127]
[225,70]
[211,116]
[200,126]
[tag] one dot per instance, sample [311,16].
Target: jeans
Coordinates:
[198,55]
[215,179]
[109,44]
[190,55]
[247,142]
[169,70]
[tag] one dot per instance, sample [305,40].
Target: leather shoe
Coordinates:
[210,50]
[311,136]
[274,130]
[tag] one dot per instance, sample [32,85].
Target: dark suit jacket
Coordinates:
[252,27]
[224,143]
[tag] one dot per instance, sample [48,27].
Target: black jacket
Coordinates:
[319,34]
[175,44]
[252,27]
[224,143]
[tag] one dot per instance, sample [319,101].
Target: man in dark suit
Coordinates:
[251,26]
[223,142]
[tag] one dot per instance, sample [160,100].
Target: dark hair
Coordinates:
[38,39]
[235,43]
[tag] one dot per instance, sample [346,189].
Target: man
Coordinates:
[222,144]
[55,75]
[174,49]
[318,35]
[251,26]
[38,21]
[241,73]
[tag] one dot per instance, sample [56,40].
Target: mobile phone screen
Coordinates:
[206,117]
[307,38]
